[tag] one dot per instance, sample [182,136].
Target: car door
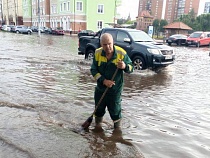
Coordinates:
[120,41]
[208,38]
[202,39]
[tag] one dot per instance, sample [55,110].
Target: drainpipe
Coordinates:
[39,18]
[74,17]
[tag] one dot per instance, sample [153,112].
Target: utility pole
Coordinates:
[74,16]
[2,13]
[39,18]
[8,13]
[115,13]
[15,13]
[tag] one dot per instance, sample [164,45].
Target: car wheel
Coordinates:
[198,44]
[17,32]
[89,55]
[139,63]
[169,43]
[29,32]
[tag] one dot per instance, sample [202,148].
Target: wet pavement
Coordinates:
[46,93]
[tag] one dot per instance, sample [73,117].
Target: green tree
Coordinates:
[156,25]
[162,24]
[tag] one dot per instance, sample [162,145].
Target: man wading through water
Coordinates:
[105,62]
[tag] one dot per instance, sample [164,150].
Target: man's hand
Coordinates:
[109,83]
[121,64]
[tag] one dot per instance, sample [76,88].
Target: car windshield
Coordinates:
[195,35]
[140,36]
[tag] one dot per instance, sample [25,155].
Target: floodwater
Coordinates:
[46,93]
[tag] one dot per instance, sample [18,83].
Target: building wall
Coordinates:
[12,11]
[27,14]
[156,9]
[192,4]
[51,14]
[94,19]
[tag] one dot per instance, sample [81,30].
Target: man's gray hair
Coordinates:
[104,36]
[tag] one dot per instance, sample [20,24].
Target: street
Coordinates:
[46,93]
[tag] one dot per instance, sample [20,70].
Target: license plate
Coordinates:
[189,42]
[168,57]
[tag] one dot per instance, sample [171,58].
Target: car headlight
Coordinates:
[154,51]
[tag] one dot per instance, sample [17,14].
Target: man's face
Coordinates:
[107,45]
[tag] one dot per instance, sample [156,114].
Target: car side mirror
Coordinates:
[128,40]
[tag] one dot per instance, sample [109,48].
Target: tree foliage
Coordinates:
[199,23]
[158,25]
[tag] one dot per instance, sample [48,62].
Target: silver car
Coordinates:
[22,29]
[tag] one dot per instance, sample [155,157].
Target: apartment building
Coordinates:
[12,12]
[169,10]
[69,14]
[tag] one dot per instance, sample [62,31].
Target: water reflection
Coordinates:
[107,143]
[137,82]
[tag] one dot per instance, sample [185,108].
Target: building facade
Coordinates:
[144,20]
[69,14]
[169,10]
[12,12]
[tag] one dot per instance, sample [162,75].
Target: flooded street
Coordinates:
[46,93]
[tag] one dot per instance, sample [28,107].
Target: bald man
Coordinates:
[106,60]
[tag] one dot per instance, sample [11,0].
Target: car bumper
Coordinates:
[191,42]
[159,61]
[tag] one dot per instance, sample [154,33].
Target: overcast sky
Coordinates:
[129,6]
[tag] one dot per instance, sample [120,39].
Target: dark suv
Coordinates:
[141,48]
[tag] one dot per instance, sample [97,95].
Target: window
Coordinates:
[34,11]
[68,5]
[79,6]
[121,36]
[64,6]
[51,9]
[100,25]
[100,8]
[54,9]
[61,7]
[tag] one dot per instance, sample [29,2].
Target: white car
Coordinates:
[7,27]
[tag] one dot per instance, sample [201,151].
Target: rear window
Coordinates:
[112,32]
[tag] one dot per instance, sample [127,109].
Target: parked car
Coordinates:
[177,39]
[34,28]
[198,39]
[58,31]
[86,33]
[22,29]
[7,27]
[48,30]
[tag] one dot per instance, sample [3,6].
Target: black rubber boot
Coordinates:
[98,120]
[117,124]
